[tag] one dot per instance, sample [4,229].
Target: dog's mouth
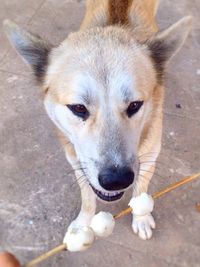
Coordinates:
[111,196]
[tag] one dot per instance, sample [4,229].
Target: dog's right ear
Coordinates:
[34,50]
[165,44]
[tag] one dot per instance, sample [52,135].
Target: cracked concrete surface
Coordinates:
[38,196]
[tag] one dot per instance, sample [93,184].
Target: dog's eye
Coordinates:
[79,110]
[134,108]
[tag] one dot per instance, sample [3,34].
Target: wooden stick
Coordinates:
[46,255]
[117,216]
[162,192]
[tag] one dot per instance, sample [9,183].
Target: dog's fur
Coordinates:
[116,58]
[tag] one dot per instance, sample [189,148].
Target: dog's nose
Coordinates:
[116,178]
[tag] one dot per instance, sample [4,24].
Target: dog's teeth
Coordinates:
[111,194]
[108,196]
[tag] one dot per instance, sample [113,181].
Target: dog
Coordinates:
[104,88]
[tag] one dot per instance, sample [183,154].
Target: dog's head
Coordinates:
[102,88]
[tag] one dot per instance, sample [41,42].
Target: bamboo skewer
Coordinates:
[162,192]
[46,255]
[117,216]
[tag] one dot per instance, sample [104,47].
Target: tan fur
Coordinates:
[115,56]
[119,11]
[137,18]
[138,14]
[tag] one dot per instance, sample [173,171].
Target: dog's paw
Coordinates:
[143,225]
[82,220]
[78,223]
[74,225]
[79,239]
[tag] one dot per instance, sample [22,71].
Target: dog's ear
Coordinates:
[32,48]
[165,44]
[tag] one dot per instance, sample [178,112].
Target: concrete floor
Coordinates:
[38,196]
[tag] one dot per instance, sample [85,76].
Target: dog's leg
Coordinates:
[143,225]
[88,205]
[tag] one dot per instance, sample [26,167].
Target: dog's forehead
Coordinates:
[100,67]
[89,89]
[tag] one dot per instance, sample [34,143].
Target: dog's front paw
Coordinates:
[80,221]
[79,239]
[143,225]
[79,235]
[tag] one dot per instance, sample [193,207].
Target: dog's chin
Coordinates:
[107,196]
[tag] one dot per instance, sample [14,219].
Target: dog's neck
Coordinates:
[137,15]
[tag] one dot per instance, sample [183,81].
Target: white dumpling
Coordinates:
[142,205]
[103,224]
[79,239]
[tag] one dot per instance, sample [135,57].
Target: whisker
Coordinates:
[144,154]
[78,180]
[78,169]
[78,164]
[154,173]
[80,177]
[155,161]
[155,166]
[143,178]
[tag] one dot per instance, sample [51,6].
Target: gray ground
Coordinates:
[38,196]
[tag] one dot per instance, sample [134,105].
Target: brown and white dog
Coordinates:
[103,89]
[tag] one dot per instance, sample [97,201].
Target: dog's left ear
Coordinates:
[165,44]
[34,50]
